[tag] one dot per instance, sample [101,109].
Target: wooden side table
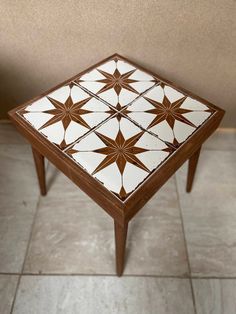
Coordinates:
[119,132]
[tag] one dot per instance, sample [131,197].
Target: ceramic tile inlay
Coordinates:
[117,82]
[66,114]
[117,122]
[169,114]
[120,155]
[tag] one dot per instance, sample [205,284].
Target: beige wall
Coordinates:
[193,43]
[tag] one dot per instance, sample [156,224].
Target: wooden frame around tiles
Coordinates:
[121,212]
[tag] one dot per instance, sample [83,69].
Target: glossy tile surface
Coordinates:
[120,155]
[117,82]
[215,296]
[106,295]
[7,291]
[71,230]
[169,114]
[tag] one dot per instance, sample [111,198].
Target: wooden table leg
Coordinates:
[192,166]
[40,169]
[120,242]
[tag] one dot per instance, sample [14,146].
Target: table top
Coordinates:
[118,122]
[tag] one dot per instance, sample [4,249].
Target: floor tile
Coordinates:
[90,295]
[18,199]
[156,243]
[209,214]
[8,285]
[215,296]
[74,235]
[9,134]
[222,139]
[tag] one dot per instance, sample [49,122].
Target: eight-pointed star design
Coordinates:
[67,112]
[168,111]
[117,81]
[120,151]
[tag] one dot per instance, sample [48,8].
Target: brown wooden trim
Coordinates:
[40,169]
[120,243]
[192,166]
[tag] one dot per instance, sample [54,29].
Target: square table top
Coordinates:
[118,122]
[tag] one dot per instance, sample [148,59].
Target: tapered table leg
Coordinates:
[192,166]
[40,169]
[120,241]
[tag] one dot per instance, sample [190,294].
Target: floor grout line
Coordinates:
[124,275]
[186,246]
[26,253]
[31,233]
[114,275]
[15,295]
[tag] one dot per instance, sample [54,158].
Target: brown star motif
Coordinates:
[67,112]
[117,81]
[120,151]
[169,111]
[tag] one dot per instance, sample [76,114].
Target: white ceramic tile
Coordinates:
[66,114]
[118,82]
[111,154]
[167,113]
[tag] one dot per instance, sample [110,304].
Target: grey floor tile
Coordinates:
[156,242]
[222,139]
[209,214]
[18,199]
[106,295]
[9,134]
[8,285]
[215,296]
[73,235]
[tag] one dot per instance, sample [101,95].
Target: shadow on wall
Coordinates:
[18,85]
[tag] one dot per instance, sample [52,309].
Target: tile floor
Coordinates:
[57,253]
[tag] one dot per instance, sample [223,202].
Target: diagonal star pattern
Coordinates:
[117,81]
[169,111]
[67,112]
[121,150]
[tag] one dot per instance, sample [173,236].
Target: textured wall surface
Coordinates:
[192,43]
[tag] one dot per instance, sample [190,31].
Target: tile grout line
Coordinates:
[26,253]
[15,294]
[114,275]
[186,246]
[31,233]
